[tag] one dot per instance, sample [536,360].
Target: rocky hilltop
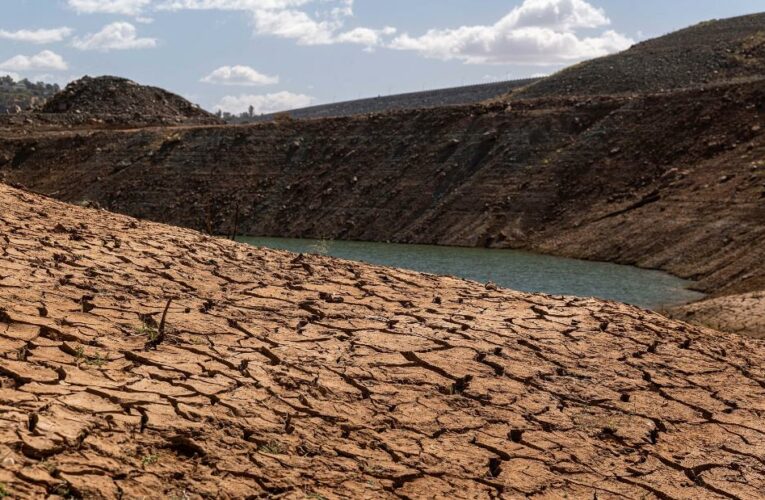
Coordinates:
[109,101]
[111,95]
[142,360]
[712,51]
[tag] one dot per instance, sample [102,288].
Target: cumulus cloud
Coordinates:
[115,36]
[264,103]
[239,75]
[124,7]
[294,24]
[45,61]
[556,14]
[285,19]
[231,4]
[307,30]
[538,32]
[365,36]
[40,36]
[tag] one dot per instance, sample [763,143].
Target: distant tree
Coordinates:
[23,93]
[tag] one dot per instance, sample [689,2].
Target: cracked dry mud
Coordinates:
[305,376]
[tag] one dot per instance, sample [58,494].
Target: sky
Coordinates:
[282,54]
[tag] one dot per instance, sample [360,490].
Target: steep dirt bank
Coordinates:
[273,374]
[672,181]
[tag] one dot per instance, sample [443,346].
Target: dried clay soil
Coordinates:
[310,377]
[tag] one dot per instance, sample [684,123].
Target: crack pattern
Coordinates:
[175,364]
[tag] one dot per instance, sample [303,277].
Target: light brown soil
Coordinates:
[309,377]
[743,313]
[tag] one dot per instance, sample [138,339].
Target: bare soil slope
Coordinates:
[712,51]
[277,374]
[470,94]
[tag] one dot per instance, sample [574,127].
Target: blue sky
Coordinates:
[277,54]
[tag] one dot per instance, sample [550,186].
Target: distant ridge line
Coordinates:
[451,96]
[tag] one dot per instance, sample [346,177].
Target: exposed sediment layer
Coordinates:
[740,313]
[271,373]
[673,181]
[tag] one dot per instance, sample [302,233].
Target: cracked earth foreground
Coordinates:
[309,377]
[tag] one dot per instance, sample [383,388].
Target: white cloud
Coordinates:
[539,32]
[294,24]
[306,30]
[115,36]
[45,61]
[37,36]
[365,36]
[124,7]
[239,75]
[284,19]
[265,103]
[556,15]
[231,4]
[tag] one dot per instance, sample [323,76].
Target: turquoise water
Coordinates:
[509,268]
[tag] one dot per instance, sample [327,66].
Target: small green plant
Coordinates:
[148,331]
[81,357]
[63,490]
[150,459]
[271,448]
[374,470]
[4,491]
[96,360]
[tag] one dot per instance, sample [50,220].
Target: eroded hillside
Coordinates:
[673,181]
[141,360]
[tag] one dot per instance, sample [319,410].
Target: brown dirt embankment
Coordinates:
[673,181]
[274,374]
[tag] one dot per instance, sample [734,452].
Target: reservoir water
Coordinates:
[513,269]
